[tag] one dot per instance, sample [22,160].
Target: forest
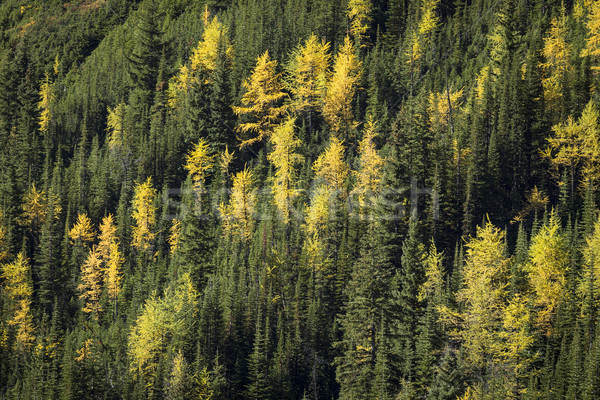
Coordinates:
[300,199]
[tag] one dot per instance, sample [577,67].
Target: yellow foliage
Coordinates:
[35,208]
[318,212]
[516,336]
[174,235]
[483,79]
[114,273]
[440,107]
[433,287]
[592,47]
[108,235]
[261,101]
[161,320]
[330,167]
[114,125]
[18,286]
[576,144]
[46,98]
[86,351]
[548,262]
[91,283]
[199,162]
[536,201]
[557,52]
[590,279]
[178,85]
[225,160]
[359,13]
[337,104]
[421,36]
[284,159]
[144,214]
[368,176]
[238,215]
[56,65]
[204,57]
[483,294]
[83,230]
[307,73]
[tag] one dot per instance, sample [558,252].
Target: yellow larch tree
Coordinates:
[589,282]
[204,57]
[111,256]
[359,14]
[557,53]
[35,208]
[262,102]
[592,48]
[369,174]
[318,213]
[483,295]
[285,158]
[206,53]
[331,172]
[575,145]
[83,230]
[174,236]
[224,161]
[546,270]
[114,125]
[113,272]
[330,167]
[162,321]
[238,215]
[91,283]
[18,286]
[337,103]
[108,235]
[441,108]
[421,34]
[307,72]
[198,162]
[144,215]
[46,97]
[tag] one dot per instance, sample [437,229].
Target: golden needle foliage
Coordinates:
[421,37]
[238,215]
[359,13]
[162,320]
[83,230]
[91,283]
[284,158]
[576,145]
[46,98]
[368,176]
[204,57]
[144,215]
[337,104]
[17,285]
[307,74]
[262,101]
[557,53]
[199,162]
[114,125]
[548,261]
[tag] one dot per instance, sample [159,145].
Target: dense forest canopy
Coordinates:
[301,199]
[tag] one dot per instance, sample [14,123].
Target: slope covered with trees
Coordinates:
[353,199]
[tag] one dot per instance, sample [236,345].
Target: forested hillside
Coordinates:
[301,199]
